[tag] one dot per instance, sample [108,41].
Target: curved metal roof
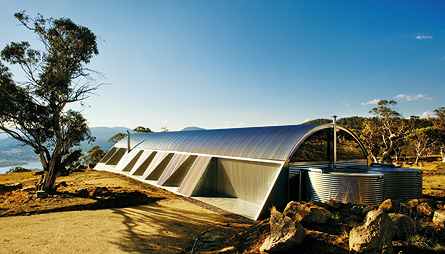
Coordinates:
[267,143]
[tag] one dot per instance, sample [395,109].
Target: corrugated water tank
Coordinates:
[348,186]
[362,185]
[400,183]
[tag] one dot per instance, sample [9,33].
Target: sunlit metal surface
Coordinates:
[401,183]
[348,186]
[268,143]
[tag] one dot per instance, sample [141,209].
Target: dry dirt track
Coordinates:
[167,226]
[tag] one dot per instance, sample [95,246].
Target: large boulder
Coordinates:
[405,226]
[374,235]
[425,209]
[285,233]
[307,213]
[439,217]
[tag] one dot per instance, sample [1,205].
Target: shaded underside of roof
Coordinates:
[266,143]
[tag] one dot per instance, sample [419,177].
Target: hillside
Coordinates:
[12,152]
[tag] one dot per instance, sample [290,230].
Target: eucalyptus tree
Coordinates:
[393,128]
[36,112]
[439,123]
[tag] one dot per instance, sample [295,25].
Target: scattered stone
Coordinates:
[285,233]
[62,184]
[413,203]
[439,217]
[83,193]
[425,209]
[333,203]
[307,213]
[405,226]
[97,191]
[9,188]
[356,209]
[374,235]
[41,194]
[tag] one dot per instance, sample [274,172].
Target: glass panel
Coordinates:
[347,147]
[319,147]
[316,147]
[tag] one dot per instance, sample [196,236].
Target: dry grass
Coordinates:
[82,190]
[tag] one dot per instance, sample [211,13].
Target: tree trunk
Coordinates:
[46,183]
[442,153]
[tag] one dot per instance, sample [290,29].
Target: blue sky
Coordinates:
[220,64]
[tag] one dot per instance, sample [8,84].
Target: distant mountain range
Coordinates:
[12,152]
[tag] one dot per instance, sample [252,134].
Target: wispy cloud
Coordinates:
[375,101]
[424,37]
[412,97]
[345,103]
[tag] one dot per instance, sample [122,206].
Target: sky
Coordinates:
[224,64]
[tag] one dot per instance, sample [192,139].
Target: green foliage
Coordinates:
[17,170]
[319,120]
[164,129]
[34,112]
[141,129]
[94,155]
[116,138]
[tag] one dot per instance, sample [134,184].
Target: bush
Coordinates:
[17,170]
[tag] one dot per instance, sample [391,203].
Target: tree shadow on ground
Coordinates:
[167,226]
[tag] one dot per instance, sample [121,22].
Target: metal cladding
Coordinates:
[248,170]
[401,183]
[266,143]
[348,186]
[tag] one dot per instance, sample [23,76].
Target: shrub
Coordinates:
[17,170]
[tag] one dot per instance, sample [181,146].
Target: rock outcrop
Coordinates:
[439,217]
[285,233]
[307,213]
[374,235]
[405,226]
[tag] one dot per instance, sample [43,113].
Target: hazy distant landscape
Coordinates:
[13,153]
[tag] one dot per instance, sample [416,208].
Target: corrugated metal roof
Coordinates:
[267,143]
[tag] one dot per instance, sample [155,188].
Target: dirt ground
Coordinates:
[155,221]
[164,223]
[167,226]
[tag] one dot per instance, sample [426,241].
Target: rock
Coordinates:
[413,203]
[356,209]
[97,191]
[83,193]
[374,235]
[386,205]
[369,208]
[439,217]
[9,188]
[405,226]
[285,233]
[389,206]
[41,194]
[333,204]
[425,209]
[62,184]
[307,213]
